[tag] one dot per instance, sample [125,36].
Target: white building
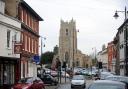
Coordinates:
[121,48]
[10,31]
[102,56]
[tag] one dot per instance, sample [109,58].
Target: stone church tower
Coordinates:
[68,42]
[67,50]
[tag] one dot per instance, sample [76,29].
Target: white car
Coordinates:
[78,81]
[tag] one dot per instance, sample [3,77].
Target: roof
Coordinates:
[123,24]
[31,10]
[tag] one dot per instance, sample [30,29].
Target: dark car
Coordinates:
[48,79]
[29,83]
[107,84]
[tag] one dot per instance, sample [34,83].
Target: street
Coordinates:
[66,85]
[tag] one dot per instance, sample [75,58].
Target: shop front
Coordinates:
[8,72]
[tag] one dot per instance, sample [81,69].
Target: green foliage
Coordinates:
[56,50]
[47,57]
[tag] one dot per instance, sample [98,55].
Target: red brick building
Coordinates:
[29,36]
[111,55]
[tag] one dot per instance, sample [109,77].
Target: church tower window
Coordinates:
[66,31]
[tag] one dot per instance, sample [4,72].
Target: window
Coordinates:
[8,38]
[35,47]
[22,15]
[77,63]
[32,22]
[29,20]
[22,37]
[29,44]
[25,43]
[26,18]
[66,31]
[32,45]
[15,36]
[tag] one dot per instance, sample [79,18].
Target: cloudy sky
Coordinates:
[94,19]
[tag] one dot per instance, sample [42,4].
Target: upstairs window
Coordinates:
[66,31]
[15,36]
[8,38]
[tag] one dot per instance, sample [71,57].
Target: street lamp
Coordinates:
[42,43]
[125,40]
[125,11]
[41,53]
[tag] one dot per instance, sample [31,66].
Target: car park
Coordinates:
[78,81]
[107,84]
[29,83]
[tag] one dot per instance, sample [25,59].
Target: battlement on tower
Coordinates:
[71,23]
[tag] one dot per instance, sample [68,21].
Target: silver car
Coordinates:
[78,81]
[107,84]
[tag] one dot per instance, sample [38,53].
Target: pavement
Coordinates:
[56,87]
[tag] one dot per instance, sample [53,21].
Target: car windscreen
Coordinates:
[78,78]
[106,86]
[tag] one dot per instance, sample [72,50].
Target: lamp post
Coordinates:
[116,14]
[125,40]
[42,52]
[42,43]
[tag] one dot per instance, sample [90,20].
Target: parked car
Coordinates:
[29,83]
[103,75]
[54,73]
[78,81]
[48,79]
[107,84]
[123,79]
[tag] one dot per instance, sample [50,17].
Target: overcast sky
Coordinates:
[94,19]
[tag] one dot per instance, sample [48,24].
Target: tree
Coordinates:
[56,50]
[47,57]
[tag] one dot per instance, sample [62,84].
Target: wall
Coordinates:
[11,7]
[8,23]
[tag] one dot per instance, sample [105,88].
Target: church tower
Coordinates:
[68,42]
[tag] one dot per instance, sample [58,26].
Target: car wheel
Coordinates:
[84,86]
[71,87]
[55,84]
